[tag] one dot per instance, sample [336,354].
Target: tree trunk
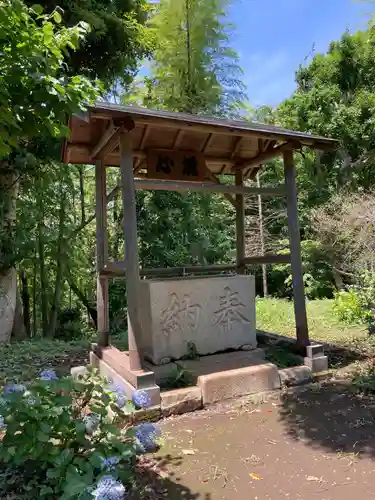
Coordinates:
[25,297]
[261,233]
[8,297]
[82,194]
[59,269]
[35,319]
[8,278]
[19,331]
[85,301]
[43,278]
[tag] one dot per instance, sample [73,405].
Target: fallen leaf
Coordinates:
[188,452]
[163,474]
[314,478]
[255,476]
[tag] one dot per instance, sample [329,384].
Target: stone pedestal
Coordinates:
[196,315]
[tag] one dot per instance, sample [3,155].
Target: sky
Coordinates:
[273,37]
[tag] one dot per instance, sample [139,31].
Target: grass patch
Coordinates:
[23,361]
[277,316]
[281,356]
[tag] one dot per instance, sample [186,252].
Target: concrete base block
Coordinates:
[318,364]
[222,362]
[180,401]
[106,370]
[240,382]
[295,375]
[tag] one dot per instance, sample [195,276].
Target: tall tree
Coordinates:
[193,67]
[116,42]
[35,97]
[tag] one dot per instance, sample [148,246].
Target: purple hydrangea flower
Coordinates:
[12,388]
[119,394]
[109,489]
[147,436]
[141,399]
[91,422]
[110,463]
[48,375]
[3,425]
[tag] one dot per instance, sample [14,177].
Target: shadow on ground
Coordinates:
[330,416]
[155,483]
[339,355]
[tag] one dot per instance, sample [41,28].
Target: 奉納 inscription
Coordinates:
[230,310]
[180,315]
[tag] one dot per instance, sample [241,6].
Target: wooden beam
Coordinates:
[161,185]
[107,142]
[146,133]
[262,157]
[216,180]
[295,250]
[236,147]
[178,139]
[131,251]
[240,226]
[268,259]
[118,269]
[101,253]
[207,143]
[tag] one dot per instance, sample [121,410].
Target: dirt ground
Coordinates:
[312,443]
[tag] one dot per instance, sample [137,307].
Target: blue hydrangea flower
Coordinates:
[48,375]
[3,425]
[109,489]
[12,388]
[110,464]
[119,394]
[147,437]
[91,422]
[141,399]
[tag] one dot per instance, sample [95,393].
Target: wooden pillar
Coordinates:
[131,250]
[240,226]
[261,236]
[101,253]
[295,251]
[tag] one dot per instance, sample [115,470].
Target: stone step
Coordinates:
[238,382]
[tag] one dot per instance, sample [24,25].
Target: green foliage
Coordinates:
[178,378]
[364,379]
[357,304]
[116,42]
[348,307]
[22,361]
[59,432]
[193,68]
[282,357]
[335,97]
[177,229]
[35,94]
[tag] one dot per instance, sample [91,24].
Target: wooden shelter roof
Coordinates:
[227,145]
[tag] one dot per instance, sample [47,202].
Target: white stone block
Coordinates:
[212,314]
